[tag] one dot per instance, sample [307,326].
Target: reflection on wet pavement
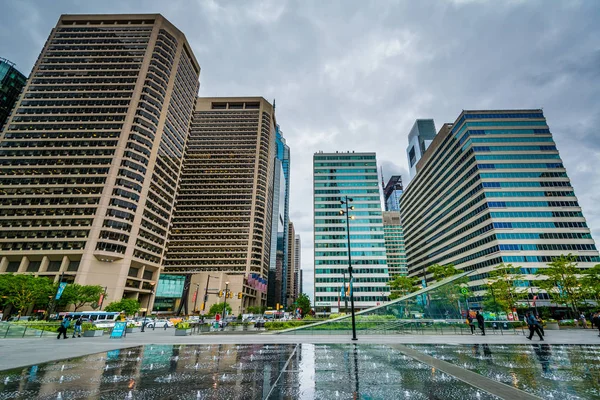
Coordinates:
[304,371]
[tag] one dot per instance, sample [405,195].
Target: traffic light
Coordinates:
[239,295]
[202,306]
[230,294]
[220,293]
[277,307]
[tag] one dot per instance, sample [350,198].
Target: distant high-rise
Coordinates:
[392,193]
[420,137]
[298,266]
[337,175]
[12,83]
[222,223]
[91,155]
[394,244]
[291,276]
[492,189]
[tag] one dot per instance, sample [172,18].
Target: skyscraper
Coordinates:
[420,137]
[492,189]
[92,153]
[298,266]
[337,175]
[392,193]
[222,223]
[394,244]
[278,272]
[291,276]
[11,84]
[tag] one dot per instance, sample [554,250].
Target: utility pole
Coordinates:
[350,276]
[225,302]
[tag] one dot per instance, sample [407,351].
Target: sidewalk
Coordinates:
[22,352]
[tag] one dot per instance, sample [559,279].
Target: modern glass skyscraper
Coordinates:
[394,244]
[11,84]
[298,266]
[392,193]
[492,189]
[92,153]
[420,137]
[337,175]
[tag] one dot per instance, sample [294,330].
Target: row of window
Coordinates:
[529,225]
[546,259]
[531,194]
[347,184]
[514,148]
[346,171]
[537,214]
[547,247]
[535,174]
[346,164]
[548,235]
[526,184]
[520,166]
[502,204]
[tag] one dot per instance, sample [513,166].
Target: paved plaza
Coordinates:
[157,364]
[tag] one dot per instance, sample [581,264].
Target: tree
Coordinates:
[446,297]
[23,291]
[217,308]
[128,306]
[255,309]
[303,302]
[561,281]
[402,286]
[441,272]
[503,291]
[590,283]
[80,295]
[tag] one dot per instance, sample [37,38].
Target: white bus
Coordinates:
[101,319]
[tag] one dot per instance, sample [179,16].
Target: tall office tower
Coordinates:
[291,276]
[222,224]
[394,244]
[337,175]
[392,193]
[92,153]
[420,137]
[278,242]
[297,266]
[12,83]
[278,271]
[492,189]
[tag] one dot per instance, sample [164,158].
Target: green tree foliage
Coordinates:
[561,280]
[303,302]
[503,292]
[590,283]
[80,295]
[217,308]
[128,306]
[402,286]
[256,310]
[441,272]
[23,291]
[447,296]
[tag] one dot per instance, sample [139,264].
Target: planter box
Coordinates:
[93,333]
[130,330]
[552,326]
[183,332]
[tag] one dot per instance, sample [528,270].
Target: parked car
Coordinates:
[159,323]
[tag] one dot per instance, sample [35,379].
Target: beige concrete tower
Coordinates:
[222,223]
[91,156]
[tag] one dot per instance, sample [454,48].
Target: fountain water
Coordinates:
[62,378]
[62,368]
[129,395]
[6,380]
[59,395]
[198,394]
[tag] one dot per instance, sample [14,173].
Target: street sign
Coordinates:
[61,288]
[119,330]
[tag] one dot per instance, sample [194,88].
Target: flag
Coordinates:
[61,288]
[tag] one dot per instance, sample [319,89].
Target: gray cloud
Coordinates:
[350,75]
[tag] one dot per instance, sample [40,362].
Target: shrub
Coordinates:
[90,327]
[182,325]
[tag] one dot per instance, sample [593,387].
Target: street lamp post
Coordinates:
[195,297]
[350,276]
[225,302]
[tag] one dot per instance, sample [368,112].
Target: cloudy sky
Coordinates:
[354,75]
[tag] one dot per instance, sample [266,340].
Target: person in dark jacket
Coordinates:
[534,326]
[77,328]
[471,323]
[480,322]
[62,329]
[596,321]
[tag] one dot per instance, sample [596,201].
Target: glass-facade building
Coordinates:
[492,189]
[392,193]
[419,138]
[394,244]
[12,83]
[337,175]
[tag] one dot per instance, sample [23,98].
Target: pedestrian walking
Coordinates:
[596,321]
[583,320]
[480,322]
[77,327]
[533,325]
[471,323]
[62,329]
[540,323]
